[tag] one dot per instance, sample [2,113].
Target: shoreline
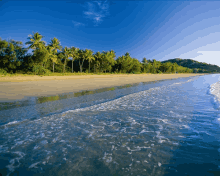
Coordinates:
[20,87]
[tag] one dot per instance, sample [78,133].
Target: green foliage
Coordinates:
[40,70]
[89,56]
[46,58]
[106,61]
[125,64]
[3,72]
[35,41]
[199,67]
[136,66]
[74,54]
[40,52]
[52,50]
[11,53]
[81,58]
[96,64]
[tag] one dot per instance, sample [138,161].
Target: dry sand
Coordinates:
[20,87]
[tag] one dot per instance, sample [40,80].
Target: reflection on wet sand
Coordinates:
[43,99]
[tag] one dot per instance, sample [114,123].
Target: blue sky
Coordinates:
[158,30]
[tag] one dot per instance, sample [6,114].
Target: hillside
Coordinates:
[199,67]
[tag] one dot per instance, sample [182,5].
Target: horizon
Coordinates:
[178,29]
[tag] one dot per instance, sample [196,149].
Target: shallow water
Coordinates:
[165,128]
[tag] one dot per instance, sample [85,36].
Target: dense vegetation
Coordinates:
[198,67]
[45,59]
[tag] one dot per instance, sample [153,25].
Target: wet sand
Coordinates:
[20,87]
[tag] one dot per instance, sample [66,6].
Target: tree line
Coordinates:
[14,58]
[198,67]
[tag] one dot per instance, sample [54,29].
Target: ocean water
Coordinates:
[170,127]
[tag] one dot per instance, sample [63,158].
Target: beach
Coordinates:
[20,87]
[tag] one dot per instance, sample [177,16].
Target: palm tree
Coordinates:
[111,58]
[81,58]
[67,54]
[89,56]
[37,45]
[108,59]
[52,55]
[75,54]
[55,44]
[35,41]
[144,63]
[98,57]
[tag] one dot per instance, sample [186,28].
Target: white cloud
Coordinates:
[208,53]
[210,57]
[76,24]
[96,11]
[102,6]
[203,49]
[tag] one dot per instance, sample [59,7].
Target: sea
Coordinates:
[160,128]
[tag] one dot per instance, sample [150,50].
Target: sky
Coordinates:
[158,30]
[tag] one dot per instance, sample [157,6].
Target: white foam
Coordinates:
[36,147]
[14,122]
[118,103]
[185,126]
[161,141]
[42,135]
[164,120]
[44,142]
[175,143]
[215,91]
[34,165]
[122,102]
[11,123]
[107,157]
[13,161]
[144,131]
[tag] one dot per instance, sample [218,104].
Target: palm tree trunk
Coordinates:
[81,65]
[72,65]
[64,66]
[53,67]
[94,68]
[89,66]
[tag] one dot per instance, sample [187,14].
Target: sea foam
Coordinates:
[215,91]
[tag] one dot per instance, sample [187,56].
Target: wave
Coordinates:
[214,90]
[13,123]
[123,103]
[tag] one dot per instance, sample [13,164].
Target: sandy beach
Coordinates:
[20,87]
